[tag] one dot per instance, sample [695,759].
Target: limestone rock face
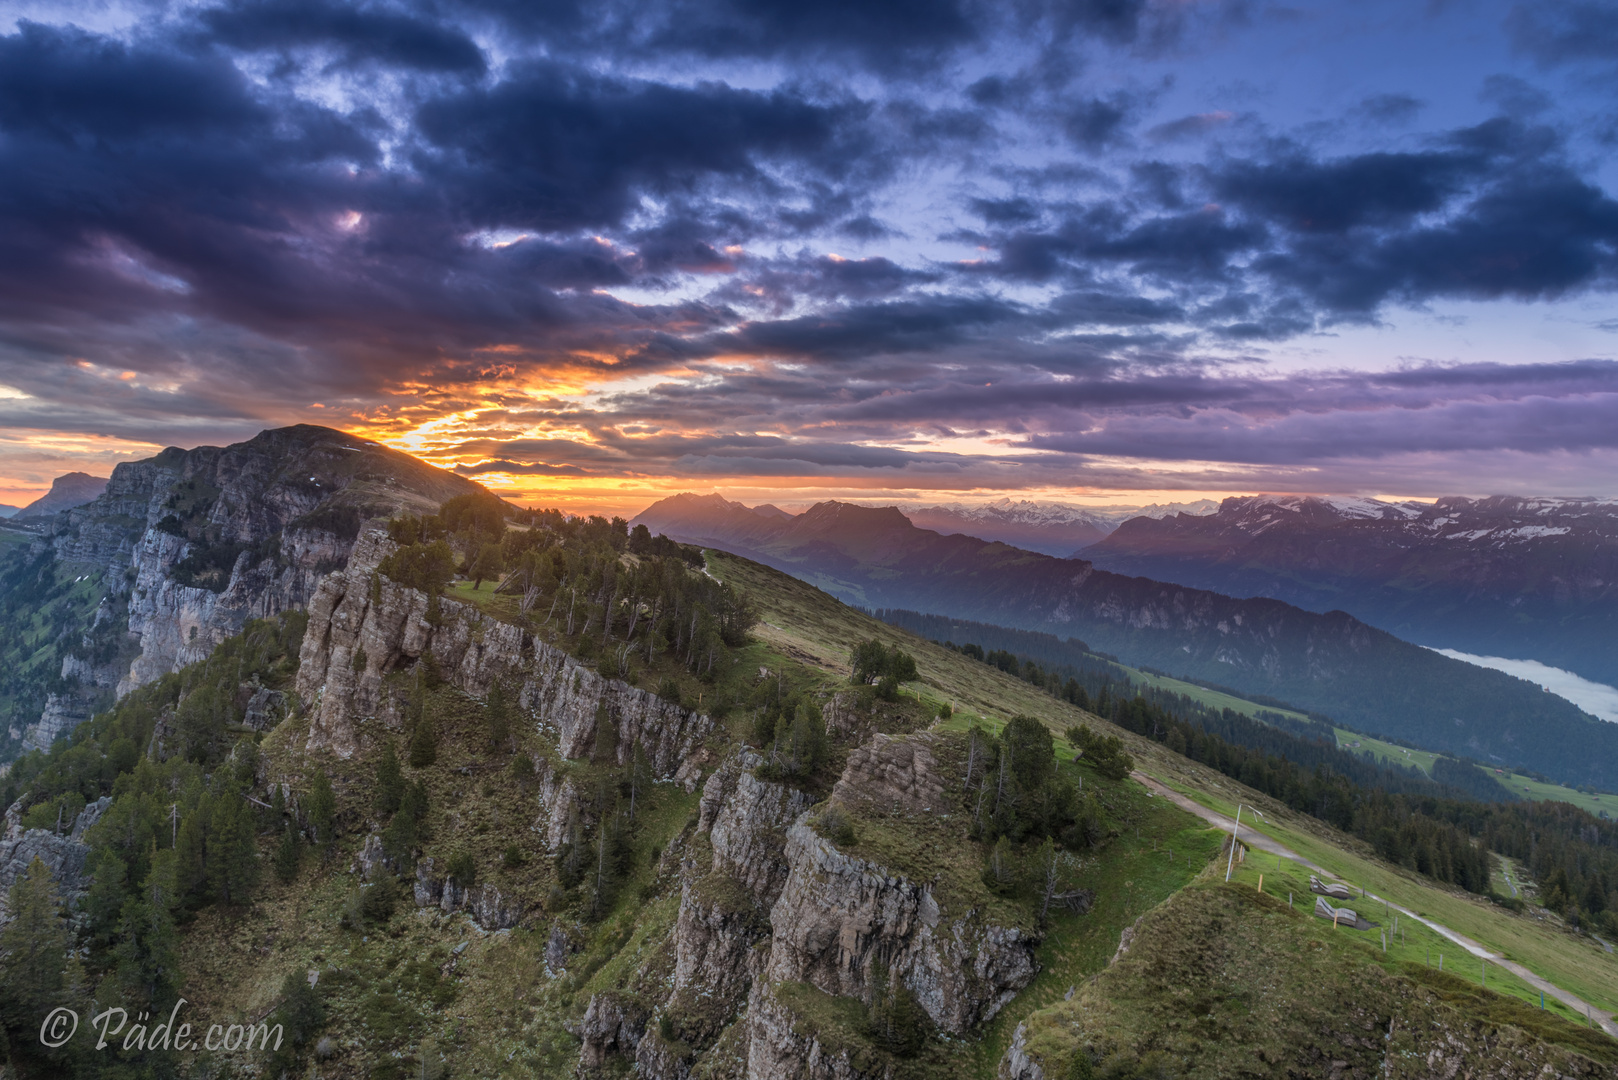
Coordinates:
[1017,1065]
[723,920]
[837,913]
[778,1049]
[889,773]
[613,1024]
[486,905]
[189,545]
[65,856]
[746,819]
[360,610]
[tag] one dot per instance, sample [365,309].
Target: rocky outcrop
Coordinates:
[187,546]
[838,913]
[781,1047]
[359,611]
[486,905]
[894,775]
[614,1023]
[68,491]
[746,820]
[723,922]
[65,856]
[1017,1065]
[658,1059]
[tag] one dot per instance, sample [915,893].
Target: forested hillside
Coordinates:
[1328,663]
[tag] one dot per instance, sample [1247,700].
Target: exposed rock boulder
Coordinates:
[485,904]
[781,1047]
[893,774]
[1017,1065]
[658,1059]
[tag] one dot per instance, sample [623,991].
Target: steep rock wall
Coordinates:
[838,913]
[359,610]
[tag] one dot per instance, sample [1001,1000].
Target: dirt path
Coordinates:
[1255,839]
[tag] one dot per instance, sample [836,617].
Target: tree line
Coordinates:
[1443,827]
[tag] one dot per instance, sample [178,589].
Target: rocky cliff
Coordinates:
[773,915]
[64,854]
[181,550]
[359,613]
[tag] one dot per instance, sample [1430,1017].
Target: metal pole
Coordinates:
[1231,862]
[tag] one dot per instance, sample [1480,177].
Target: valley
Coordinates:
[621,806]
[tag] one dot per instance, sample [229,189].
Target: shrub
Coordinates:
[834,824]
[874,661]
[379,899]
[463,869]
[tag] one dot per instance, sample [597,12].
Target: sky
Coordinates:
[596,253]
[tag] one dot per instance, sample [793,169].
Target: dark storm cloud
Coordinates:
[408,211]
[370,34]
[560,147]
[1559,31]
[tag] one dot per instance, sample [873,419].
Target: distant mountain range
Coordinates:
[1533,579]
[67,491]
[8,511]
[1058,529]
[1330,663]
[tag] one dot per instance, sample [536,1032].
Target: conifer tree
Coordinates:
[389,782]
[233,863]
[497,714]
[33,953]
[424,742]
[147,963]
[288,854]
[190,850]
[322,809]
[606,737]
[640,776]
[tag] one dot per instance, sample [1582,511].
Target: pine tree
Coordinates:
[497,714]
[605,748]
[146,957]
[389,782]
[33,953]
[640,776]
[191,858]
[322,809]
[233,852]
[424,742]
[288,854]
[408,829]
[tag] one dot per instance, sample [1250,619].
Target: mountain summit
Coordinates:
[1527,578]
[67,491]
[1329,662]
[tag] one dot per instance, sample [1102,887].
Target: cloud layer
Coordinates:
[1041,246]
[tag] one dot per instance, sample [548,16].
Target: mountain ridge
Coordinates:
[67,491]
[1526,578]
[177,552]
[1328,662]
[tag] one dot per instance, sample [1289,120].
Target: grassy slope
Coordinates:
[1232,983]
[498,1015]
[1568,960]
[812,625]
